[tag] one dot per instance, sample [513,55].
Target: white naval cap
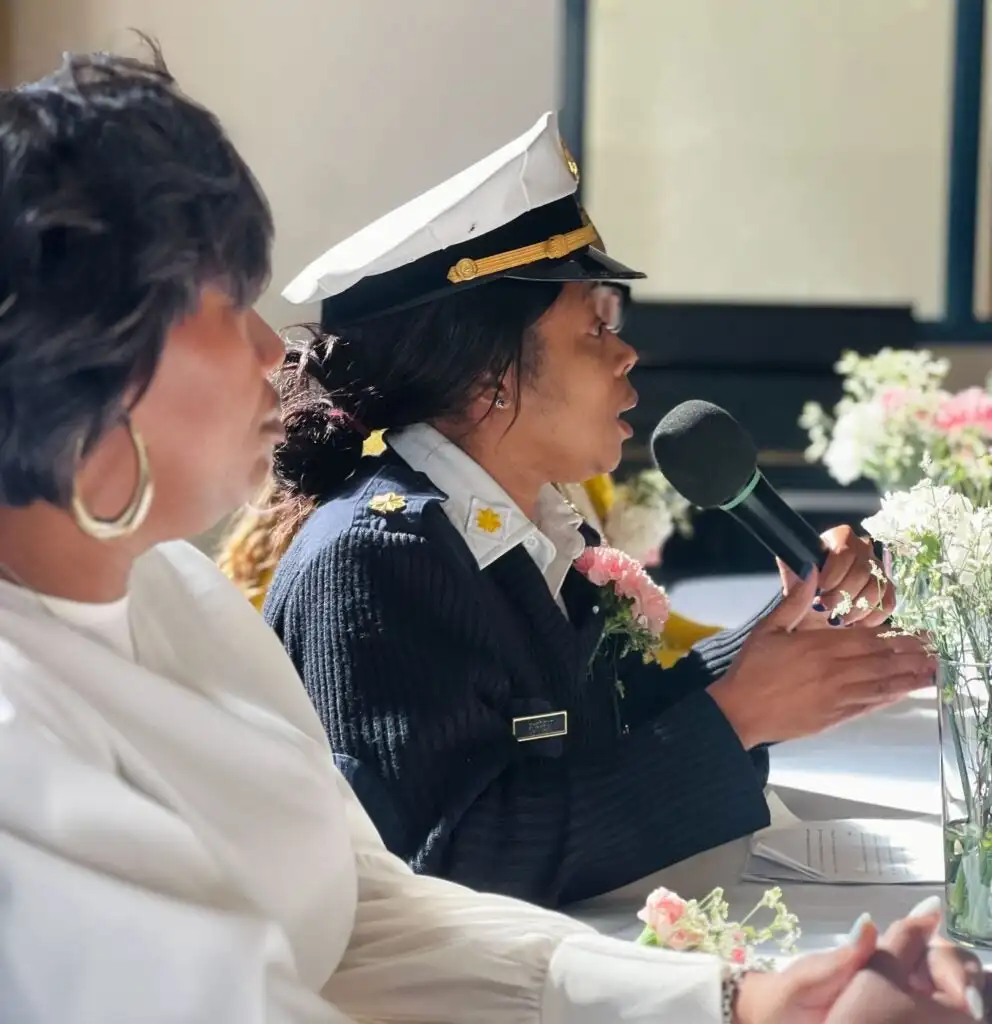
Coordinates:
[515,213]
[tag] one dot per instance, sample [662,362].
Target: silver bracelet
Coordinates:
[732,977]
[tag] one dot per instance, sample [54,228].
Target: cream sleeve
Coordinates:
[429,951]
[79,944]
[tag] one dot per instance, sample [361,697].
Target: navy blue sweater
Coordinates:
[418,661]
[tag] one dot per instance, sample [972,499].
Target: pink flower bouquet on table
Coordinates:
[671,922]
[636,607]
[893,414]
[968,409]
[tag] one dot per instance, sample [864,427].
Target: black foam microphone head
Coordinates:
[706,455]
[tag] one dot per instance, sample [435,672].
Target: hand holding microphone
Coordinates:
[791,678]
[851,569]
[712,461]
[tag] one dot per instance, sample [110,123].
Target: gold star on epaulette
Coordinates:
[388,502]
[488,520]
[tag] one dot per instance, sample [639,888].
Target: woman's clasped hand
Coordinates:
[905,976]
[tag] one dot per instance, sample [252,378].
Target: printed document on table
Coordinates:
[876,851]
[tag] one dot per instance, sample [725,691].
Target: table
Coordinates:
[726,601]
[882,765]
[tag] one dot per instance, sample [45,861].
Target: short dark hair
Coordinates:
[120,200]
[416,365]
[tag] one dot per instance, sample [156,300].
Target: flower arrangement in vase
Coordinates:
[939,543]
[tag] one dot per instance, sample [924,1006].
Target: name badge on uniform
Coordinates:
[540,727]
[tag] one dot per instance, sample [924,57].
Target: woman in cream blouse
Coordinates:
[175,843]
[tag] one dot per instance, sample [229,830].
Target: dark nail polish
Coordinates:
[819,606]
[834,621]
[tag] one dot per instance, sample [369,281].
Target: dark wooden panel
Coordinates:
[730,335]
[766,403]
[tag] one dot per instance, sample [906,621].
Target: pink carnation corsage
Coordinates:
[636,607]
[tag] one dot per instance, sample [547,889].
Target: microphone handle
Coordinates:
[781,529]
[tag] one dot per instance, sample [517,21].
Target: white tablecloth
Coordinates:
[882,765]
[725,601]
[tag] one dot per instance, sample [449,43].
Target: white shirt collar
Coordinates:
[484,514]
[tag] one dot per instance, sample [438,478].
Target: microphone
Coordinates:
[711,460]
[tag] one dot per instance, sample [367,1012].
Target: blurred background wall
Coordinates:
[797,149]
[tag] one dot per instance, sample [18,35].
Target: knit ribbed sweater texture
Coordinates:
[417,662]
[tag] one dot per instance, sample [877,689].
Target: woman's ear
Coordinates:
[494,397]
[488,401]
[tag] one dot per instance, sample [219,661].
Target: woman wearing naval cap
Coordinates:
[457,658]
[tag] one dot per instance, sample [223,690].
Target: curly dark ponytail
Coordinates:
[324,433]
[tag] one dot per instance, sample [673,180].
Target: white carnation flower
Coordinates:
[906,518]
[856,436]
[639,530]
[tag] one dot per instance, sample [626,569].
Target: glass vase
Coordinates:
[966,788]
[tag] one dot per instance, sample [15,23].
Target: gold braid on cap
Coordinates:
[554,248]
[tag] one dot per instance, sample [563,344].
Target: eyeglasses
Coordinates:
[610,304]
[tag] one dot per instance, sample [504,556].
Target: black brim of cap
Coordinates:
[587,265]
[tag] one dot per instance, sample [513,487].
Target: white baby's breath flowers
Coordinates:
[890,367]
[940,542]
[941,546]
[705,926]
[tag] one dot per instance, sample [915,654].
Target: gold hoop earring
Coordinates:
[135,513]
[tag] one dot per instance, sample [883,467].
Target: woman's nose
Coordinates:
[627,357]
[267,343]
